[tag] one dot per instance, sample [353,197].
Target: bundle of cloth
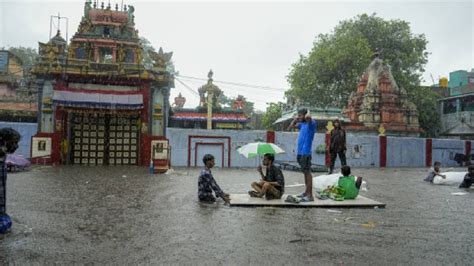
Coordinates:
[452,178]
[321,182]
[339,186]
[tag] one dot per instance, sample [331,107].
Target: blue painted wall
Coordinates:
[406,152]
[26,130]
[362,151]
[445,149]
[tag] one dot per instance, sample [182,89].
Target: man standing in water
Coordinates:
[307,128]
[9,139]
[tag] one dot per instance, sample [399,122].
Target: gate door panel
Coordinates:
[123,138]
[88,139]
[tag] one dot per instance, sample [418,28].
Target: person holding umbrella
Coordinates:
[307,128]
[272,184]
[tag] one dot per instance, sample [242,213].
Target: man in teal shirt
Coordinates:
[307,128]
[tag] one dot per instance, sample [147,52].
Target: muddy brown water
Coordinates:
[123,215]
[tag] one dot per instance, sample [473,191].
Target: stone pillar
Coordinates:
[428,152]
[209,110]
[383,151]
[166,107]
[39,85]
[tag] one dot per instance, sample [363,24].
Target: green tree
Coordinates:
[331,70]
[427,105]
[272,113]
[148,61]
[27,55]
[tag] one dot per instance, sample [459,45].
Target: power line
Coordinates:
[187,87]
[236,84]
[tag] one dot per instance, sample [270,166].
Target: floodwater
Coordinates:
[123,215]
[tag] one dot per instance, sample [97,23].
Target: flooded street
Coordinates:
[123,215]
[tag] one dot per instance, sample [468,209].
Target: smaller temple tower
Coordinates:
[379,102]
[210,114]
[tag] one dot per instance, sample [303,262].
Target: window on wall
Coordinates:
[449,106]
[129,56]
[80,53]
[467,103]
[106,31]
[106,55]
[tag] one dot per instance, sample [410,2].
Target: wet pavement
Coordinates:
[123,215]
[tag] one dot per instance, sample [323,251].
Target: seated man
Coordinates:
[272,184]
[468,178]
[347,186]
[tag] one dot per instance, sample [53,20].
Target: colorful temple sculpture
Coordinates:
[98,104]
[17,101]
[379,104]
[209,114]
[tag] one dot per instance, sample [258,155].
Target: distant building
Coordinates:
[322,115]
[209,114]
[457,109]
[17,101]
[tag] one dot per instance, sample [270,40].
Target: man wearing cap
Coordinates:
[307,128]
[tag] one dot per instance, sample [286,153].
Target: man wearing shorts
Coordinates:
[307,128]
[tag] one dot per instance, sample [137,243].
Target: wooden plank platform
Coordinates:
[244,200]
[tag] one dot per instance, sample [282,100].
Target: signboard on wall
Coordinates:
[159,149]
[3,61]
[228,125]
[41,147]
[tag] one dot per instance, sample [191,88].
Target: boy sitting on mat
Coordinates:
[347,187]
[272,184]
[207,183]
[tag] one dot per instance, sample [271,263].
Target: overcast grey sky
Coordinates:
[253,43]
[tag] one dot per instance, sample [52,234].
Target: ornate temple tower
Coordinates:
[380,102]
[98,103]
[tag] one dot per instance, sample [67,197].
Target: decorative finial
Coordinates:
[376,54]
[329,127]
[381,131]
[209,75]
[124,7]
[108,5]
[116,6]
[95,4]
[102,5]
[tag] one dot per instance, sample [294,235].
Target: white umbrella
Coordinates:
[259,148]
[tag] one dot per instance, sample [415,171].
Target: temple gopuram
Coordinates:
[98,104]
[209,114]
[380,105]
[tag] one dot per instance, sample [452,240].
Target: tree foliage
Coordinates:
[272,113]
[331,70]
[427,104]
[147,60]
[27,55]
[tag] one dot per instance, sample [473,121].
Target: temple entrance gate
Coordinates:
[105,138]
